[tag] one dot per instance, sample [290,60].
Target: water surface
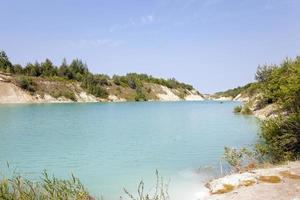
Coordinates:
[111,145]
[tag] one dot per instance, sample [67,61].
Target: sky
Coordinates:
[212,44]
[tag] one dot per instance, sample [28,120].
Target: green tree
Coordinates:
[48,69]
[263,73]
[78,69]
[5,64]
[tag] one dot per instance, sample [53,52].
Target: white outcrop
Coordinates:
[193,96]
[167,95]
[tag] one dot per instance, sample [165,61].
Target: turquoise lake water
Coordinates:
[112,145]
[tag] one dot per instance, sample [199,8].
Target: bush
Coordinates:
[93,84]
[237,109]
[246,110]
[238,158]
[280,138]
[67,94]
[26,83]
[140,95]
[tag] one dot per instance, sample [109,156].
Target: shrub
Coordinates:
[93,84]
[280,138]
[238,158]
[237,109]
[26,83]
[67,94]
[140,95]
[246,110]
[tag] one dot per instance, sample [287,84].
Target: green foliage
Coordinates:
[48,69]
[237,158]
[140,95]
[65,93]
[26,83]
[78,69]
[280,85]
[133,80]
[280,138]
[264,72]
[18,69]
[236,91]
[50,188]
[237,109]
[246,110]
[283,85]
[94,85]
[5,64]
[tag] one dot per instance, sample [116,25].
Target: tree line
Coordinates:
[77,70]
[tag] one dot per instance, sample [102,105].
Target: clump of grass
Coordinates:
[270,179]
[226,188]
[160,192]
[18,188]
[288,174]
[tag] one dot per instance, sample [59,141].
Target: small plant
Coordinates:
[238,159]
[160,192]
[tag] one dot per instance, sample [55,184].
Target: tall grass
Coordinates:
[160,191]
[49,188]
[52,188]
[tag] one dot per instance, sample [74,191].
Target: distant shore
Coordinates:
[71,91]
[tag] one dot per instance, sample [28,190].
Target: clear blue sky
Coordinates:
[212,44]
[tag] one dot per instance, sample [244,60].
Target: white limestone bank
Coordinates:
[279,182]
[10,93]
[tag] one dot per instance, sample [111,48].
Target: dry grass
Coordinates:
[247,183]
[226,188]
[270,179]
[288,174]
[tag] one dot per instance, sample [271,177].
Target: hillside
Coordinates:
[46,83]
[276,90]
